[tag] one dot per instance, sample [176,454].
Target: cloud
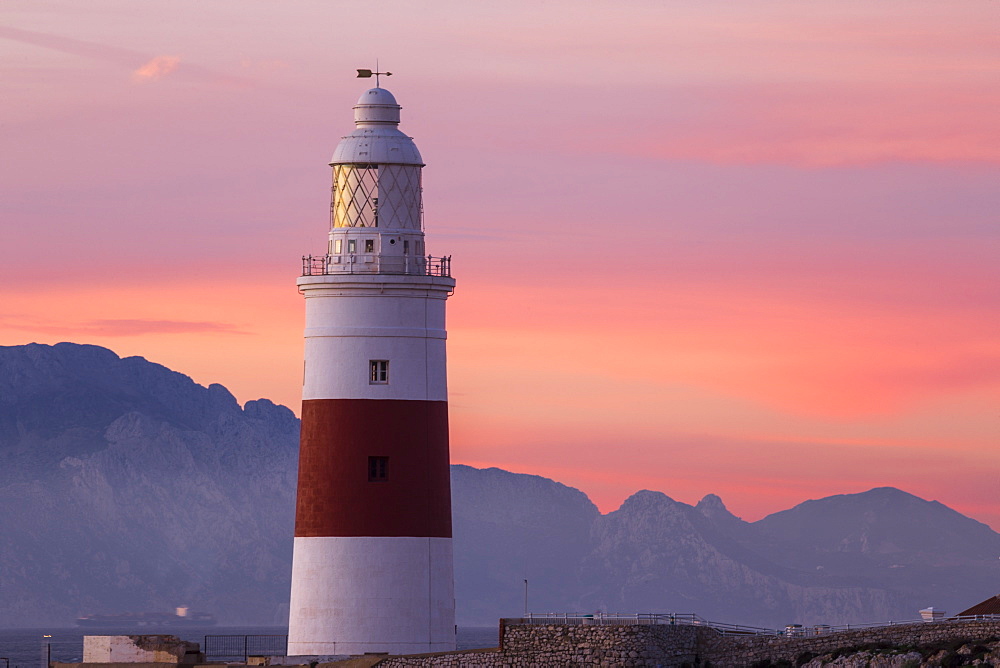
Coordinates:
[122,327]
[818,125]
[155,69]
[808,124]
[133,327]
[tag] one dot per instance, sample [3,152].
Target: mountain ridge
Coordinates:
[125,485]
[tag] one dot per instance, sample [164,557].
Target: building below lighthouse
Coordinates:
[372,566]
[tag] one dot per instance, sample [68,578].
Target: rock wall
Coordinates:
[562,645]
[677,646]
[567,644]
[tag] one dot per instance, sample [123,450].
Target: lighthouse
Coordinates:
[372,566]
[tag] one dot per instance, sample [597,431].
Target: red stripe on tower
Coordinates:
[347,444]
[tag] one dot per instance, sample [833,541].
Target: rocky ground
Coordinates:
[956,654]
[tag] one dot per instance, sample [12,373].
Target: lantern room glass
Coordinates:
[376,195]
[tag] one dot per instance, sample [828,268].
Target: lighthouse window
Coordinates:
[338,246]
[352,245]
[369,245]
[406,246]
[378,469]
[378,372]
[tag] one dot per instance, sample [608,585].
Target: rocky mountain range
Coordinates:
[125,486]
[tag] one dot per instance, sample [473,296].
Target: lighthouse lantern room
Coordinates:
[372,566]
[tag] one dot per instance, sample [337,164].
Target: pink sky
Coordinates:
[748,250]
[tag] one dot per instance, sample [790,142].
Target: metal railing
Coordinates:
[240,647]
[690,619]
[905,622]
[638,619]
[374,263]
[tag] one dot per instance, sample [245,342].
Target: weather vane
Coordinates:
[367,74]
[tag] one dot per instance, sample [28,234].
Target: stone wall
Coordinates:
[572,645]
[676,646]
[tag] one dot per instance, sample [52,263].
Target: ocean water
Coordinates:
[25,648]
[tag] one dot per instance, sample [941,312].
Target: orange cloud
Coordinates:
[156,69]
[801,350]
[217,336]
[135,327]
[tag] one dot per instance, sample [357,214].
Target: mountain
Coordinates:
[125,486]
[509,527]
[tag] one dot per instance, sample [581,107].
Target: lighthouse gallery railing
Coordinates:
[373,263]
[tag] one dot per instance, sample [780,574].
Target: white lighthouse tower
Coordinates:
[372,567]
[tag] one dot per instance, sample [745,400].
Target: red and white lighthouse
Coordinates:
[372,567]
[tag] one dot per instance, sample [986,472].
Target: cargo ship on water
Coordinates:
[180,617]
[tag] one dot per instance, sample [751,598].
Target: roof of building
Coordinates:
[990,606]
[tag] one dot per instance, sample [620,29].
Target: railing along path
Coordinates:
[240,647]
[690,619]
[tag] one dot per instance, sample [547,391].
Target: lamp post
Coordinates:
[526,597]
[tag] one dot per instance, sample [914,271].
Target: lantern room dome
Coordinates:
[377,139]
[376,106]
[377,96]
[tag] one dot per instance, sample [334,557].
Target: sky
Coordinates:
[746,249]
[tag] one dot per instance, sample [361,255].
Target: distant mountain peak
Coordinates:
[647,501]
[711,502]
[713,508]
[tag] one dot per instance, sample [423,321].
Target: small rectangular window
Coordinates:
[378,469]
[406,246]
[369,245]
[338,246]
[378,372]
[352,245]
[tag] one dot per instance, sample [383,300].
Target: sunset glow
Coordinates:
[745,250]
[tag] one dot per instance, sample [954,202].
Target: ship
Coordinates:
[180,617]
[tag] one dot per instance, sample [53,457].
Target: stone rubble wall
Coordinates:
[536,645]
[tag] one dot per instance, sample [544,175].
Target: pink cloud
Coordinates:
[814,125]
[144,66]
[157,68]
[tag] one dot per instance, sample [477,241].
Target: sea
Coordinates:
[28,648]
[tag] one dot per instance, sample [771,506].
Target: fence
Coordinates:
[689,619]
[641,619]
[238,648]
